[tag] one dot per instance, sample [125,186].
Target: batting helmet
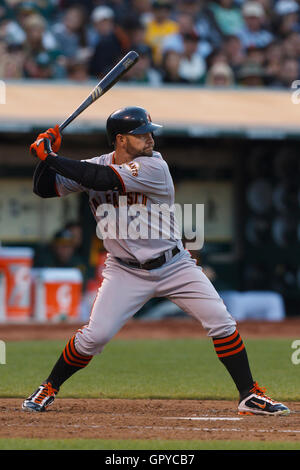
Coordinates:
[130,120]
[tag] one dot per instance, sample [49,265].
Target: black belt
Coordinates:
[152,263]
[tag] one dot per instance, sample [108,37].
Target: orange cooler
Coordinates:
[2,297]
[56,294]
[15,268]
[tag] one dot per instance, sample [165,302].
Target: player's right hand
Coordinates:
[41,148]
[50,139]
[54,136]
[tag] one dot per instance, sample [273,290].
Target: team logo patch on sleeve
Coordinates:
[133,167]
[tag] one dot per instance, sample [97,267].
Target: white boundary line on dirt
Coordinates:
[180,428]
[205,418]
[170,428]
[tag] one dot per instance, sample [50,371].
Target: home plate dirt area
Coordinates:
[150,418]
[145,419]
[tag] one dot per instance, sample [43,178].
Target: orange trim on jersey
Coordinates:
[120,178]
[113,158]
[93,305]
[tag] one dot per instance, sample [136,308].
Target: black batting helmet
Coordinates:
[130,120]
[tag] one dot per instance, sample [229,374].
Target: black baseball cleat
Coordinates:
[257,403]
[42,398]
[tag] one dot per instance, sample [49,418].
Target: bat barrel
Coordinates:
[104,85]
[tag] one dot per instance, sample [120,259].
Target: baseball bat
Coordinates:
[104,85]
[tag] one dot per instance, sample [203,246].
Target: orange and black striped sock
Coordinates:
[232,353]
[69,362]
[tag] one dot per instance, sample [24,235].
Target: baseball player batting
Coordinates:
[137,269]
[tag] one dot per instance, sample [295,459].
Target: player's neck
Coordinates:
[121,156]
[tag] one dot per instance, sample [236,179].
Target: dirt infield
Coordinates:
[158,329]
[147,419]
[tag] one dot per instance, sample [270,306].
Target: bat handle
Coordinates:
[64,124]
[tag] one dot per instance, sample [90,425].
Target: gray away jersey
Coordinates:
[139,224]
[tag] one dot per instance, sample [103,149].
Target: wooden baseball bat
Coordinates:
[104,85]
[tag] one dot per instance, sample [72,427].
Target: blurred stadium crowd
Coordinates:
[215,43]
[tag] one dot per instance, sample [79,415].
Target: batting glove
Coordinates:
[55,137]
[41,148]
[47,143]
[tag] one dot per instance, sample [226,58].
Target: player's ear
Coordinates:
[120,139]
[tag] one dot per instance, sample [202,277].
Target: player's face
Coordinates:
[139,144]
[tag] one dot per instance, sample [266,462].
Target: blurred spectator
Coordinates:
[287,19]
[175,41]
[227,16]
[40,66]
[255,55]
[170,68]
[291,46]
[185,22]
[217,55]
[77,69]
[192,66]
[273,58]
[72,33]
[220,75]
[112,42]
[25,11]
[251,75]
[288,72]
[34,28]
[39,62]
[88,4]
[203,18]
[234,52]
[143,72]
[135,31]
[49,39]
[158,28]
[190,7]
[12,21]
[120,9]
[76,232]
[253,34]
[11,61]
[60,253]
[141,9]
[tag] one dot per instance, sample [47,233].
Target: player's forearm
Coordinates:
[44,181]
[89,175]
